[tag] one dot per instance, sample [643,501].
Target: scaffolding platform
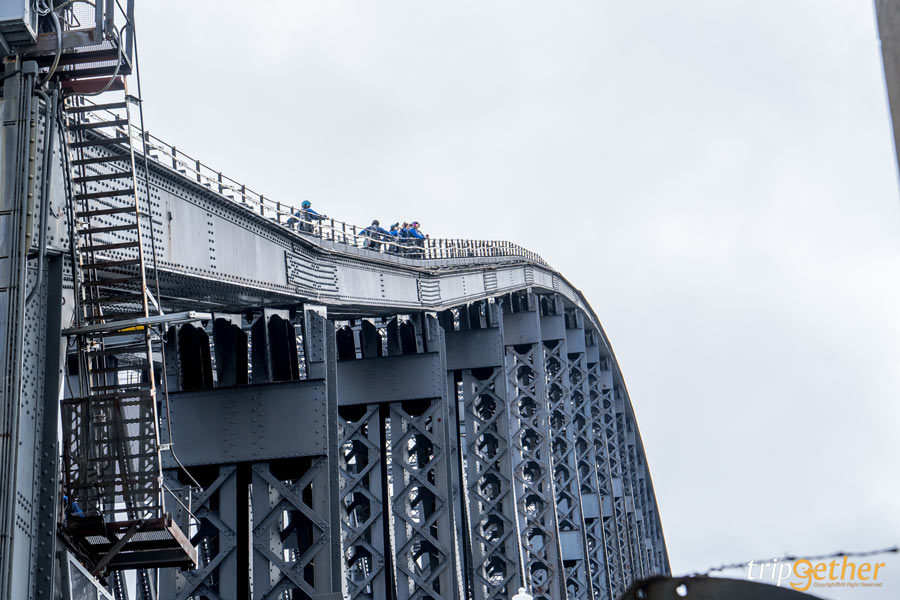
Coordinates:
[133,544]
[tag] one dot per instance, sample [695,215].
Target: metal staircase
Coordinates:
[113,465]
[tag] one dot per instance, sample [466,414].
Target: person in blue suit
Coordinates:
[375,234]
[417,239]
[306,215]
[403,238]
[394,234]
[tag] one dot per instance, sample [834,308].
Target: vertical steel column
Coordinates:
[273,347]
[46,419]
[616,469]
[526,385]
[230,343]
[475,355]
[421,503]
[362,503]
[434,340]
[645,504]
[632,512]
[297,556]
[399,491]
[586,455]
[597,391]
[569,515]
[216,505]
[304,554]
[18,147]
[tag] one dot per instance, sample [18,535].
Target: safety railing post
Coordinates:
[437,248]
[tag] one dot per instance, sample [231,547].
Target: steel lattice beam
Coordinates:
[569,515]
[529,435]
[588,459]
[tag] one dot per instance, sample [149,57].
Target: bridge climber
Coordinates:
[262,412]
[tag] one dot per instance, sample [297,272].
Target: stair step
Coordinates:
[110,319]
[117,299]
[104,247]
[104,177]
[117,331]
[100,159]
[93,230]
[95,107]
[111,281]
[102,397]
[109,264]
[92,85]
[105,194]
[135,478]
[108,211]
[121,386]
[94,71]
[122,139]
[130,349]
[97,125]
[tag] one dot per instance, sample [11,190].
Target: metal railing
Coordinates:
[326,229]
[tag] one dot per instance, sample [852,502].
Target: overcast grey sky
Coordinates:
[717,177]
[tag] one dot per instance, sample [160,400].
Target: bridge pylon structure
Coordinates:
[236,400]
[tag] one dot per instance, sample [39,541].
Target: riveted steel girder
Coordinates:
[569,515]
[475,354]
[529,435]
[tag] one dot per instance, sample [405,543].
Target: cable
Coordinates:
[112,78]
[59,48]
[164,373]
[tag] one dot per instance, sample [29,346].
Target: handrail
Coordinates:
[326,228]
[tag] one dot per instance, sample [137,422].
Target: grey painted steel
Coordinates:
[616,470]
[598,392]
[363,503]
[390,378]
[464,457]
[216,505]
[250,423]
[275,442]
[30,353]
[888,16]
[569,515]
[586,457]
[490,501]
[529,435]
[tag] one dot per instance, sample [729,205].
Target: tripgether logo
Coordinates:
[802,574]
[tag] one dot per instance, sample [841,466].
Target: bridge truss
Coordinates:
[321,414]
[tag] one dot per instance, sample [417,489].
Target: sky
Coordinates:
[718,178]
